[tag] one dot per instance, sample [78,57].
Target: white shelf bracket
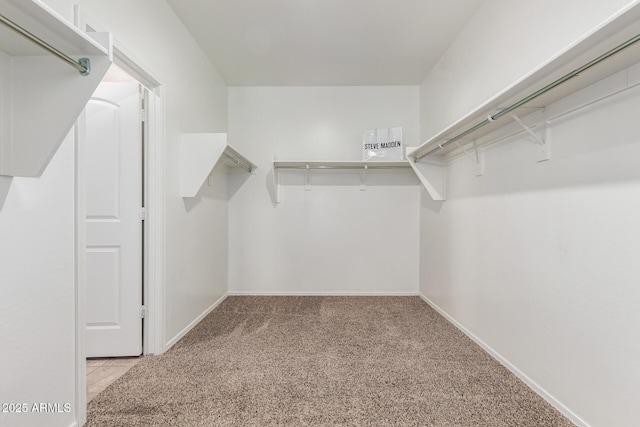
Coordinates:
[276,177]
[479,157]
[307,178]
[306,168]
[528,129]
[544,143]
[363,179]
[432,174]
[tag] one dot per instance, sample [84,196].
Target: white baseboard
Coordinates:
[528,381]
[190,326]
[327,294]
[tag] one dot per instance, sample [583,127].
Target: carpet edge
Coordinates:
[540,391]
[322,294]
[191,325]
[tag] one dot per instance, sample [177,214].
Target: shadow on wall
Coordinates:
[428,203]
[191,202]
[271,187]
[5,183]
[216,187]
[235,180]
[340,178]
[512,168]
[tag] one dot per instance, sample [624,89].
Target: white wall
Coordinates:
[37,325]
[37,281]
[334,238]
[538,261]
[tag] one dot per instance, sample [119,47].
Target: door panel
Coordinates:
[103,274]
[103,180]
[114,225]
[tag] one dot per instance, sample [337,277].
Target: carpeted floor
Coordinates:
[321,361]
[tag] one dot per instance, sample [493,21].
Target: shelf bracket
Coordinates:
[276,183]
[479,157]
[528,129]
[307,178]
[363,179]
[432,174]
[544,144]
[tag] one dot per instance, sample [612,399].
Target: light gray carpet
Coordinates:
[321,361]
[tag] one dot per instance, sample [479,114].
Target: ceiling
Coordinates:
[324,42]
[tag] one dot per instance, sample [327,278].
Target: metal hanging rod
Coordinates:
[239,163]
[346,167]
[83,65]
[491,118]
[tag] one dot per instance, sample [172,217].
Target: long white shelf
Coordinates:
[613,33]
[41,96]
[205,153]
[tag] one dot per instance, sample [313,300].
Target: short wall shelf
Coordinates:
[307,166]
[41,96]
[203,154]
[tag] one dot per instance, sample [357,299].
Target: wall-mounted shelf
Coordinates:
[613,47]
[307,167]
[41,96]
[445,145]
[203,154]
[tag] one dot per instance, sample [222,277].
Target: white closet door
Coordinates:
[114,223]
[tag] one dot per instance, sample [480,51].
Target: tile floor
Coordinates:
[102,372]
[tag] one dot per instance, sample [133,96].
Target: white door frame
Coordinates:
[154,194]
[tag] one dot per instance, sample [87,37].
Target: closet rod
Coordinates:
[368,166]
[239,163]
[82,65]
[534,95]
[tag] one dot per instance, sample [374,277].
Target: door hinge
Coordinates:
[143,312]
[143,115]
[143,213]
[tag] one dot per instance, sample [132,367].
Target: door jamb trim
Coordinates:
[155,195]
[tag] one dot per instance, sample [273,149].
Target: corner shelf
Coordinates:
[41,97]
[433,154]
[205,153]
[308,166]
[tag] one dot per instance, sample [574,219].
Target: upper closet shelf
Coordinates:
[606,50]
[48,71]
[202,154]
